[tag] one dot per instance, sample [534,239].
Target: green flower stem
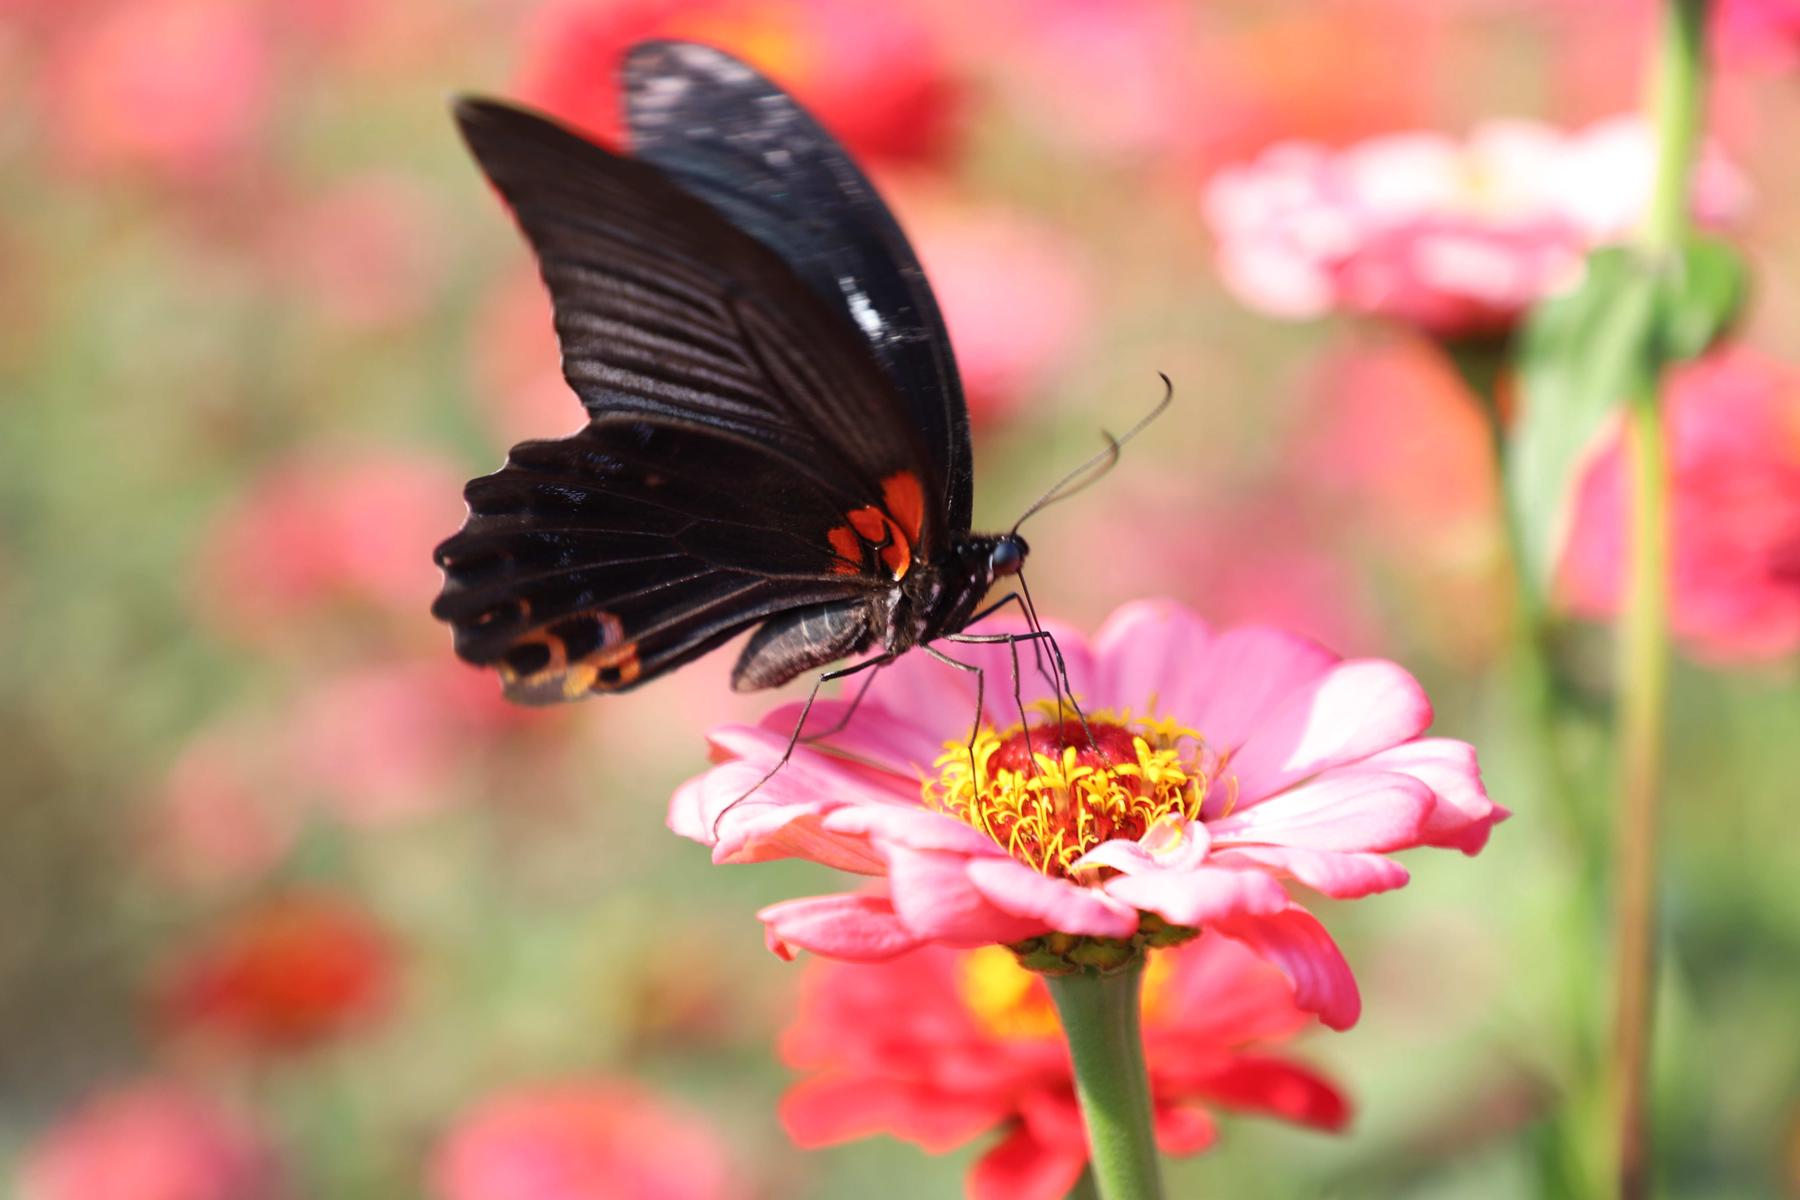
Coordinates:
[1100,1020]
[1643,651]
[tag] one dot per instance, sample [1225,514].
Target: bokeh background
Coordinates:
[267,850]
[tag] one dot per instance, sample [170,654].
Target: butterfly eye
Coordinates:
[1008,555]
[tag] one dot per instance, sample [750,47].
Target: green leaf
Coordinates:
[1700,296]
[1581,354]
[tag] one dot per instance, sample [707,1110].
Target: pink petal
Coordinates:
[856,927]
[1200,897]
[935,897]
[874,734]
[1064,906]
[1240,677]
[1296,942]
[1022,1168]
[1145,653]
[828,1110]
[1168,845]
[917,828]
[1350,712]
[1463,816]
[1340,876]
[1348,810]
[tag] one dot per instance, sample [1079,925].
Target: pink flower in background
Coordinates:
[286,974]
[1014,298]
[1223,766]
[149,1141]
[1759,31]
[1734,429]
[367,250]
[354,529]
[392,741]
[1457,238]
[217,819]
[873,73]
[598,1140]
[938,1046]
[178,88]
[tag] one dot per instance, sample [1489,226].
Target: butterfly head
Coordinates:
[1008,555]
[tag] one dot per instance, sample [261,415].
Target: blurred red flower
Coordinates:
[149,1140]
[873,73]
[1456,238]
[591,1140]
[176,88]
[1759,32]
[940,1046]
[317,530]
[285,974]
[1734,432]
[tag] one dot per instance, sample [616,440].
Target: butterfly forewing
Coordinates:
[729,136]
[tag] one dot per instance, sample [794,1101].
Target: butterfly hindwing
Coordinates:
[729,136]
[597,562]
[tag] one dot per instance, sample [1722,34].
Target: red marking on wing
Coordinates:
[871,523]
[905,501]
[848,547]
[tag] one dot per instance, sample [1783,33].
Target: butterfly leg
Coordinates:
[1044,636]
[794,738]
[1012,644]
[980,695]
[1037,654]
[843,720]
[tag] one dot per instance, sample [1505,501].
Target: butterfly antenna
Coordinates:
[1095,469]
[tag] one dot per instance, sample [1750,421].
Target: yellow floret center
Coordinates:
[1051,795]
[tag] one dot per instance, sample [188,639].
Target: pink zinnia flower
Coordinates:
[601,1140]
[149,1141]
[941,1046]
[1222,767]
[1734,432]
[875,74]
[1456,238]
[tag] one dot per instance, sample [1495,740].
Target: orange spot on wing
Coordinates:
[905,500]
[870,522]
[848,546]
[898,557]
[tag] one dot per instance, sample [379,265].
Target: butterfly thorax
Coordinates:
[942,598]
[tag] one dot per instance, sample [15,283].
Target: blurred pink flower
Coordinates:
[598,1140]
[1014,297]
[1734,429]
[285,974]
[1759,31]
[392,741]
[873,73]
[1456,238]
[216,820]
[321,530]
[1223,764]
[367,250]
[939,1046]
[176,88]
[149,1141]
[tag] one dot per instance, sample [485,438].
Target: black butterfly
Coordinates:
[777,435]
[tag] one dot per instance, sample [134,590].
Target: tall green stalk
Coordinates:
[1100,1019]
[1643,652]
